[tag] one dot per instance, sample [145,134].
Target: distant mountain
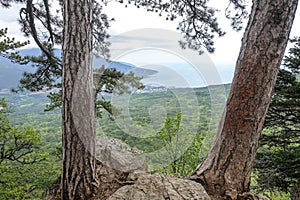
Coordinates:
[11,73]
[127,67]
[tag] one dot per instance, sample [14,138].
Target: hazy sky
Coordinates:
[131,18]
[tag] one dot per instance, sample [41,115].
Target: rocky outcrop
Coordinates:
[146,186]
[117,155]
[115,161]
[122,173]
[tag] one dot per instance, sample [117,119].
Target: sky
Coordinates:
[131,20]
[227,47]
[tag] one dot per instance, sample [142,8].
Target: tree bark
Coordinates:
[227,168]
[79,179]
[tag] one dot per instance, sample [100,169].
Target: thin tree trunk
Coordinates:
[79,179]
[226,170]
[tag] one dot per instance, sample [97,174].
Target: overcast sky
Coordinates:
[131,18]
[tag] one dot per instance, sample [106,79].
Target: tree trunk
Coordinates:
[79,179]
[227,168]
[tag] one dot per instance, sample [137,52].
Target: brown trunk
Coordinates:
[79,178]
[226,170]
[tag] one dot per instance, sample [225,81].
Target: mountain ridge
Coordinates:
[11,73]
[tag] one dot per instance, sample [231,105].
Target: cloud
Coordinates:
[10,15]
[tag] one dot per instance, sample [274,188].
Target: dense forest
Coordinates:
[31,180]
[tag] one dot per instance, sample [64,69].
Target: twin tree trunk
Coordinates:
[227,168]
[78,179]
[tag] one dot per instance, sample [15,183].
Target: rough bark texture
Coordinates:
[226,170]
[79,179]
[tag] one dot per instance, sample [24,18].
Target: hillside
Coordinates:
[141,107]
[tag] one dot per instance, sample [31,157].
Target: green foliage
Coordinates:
[111,81]
[139,109]
[27,181]
[29,112]
[47,74]
[55,100]
[277,195]
[7,43]
[181,146]
[16,144]
[48,124]
[8,47]
[26,169]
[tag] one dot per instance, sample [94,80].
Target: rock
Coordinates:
[117,155]
[122,175]
[147,186]
[115,161]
